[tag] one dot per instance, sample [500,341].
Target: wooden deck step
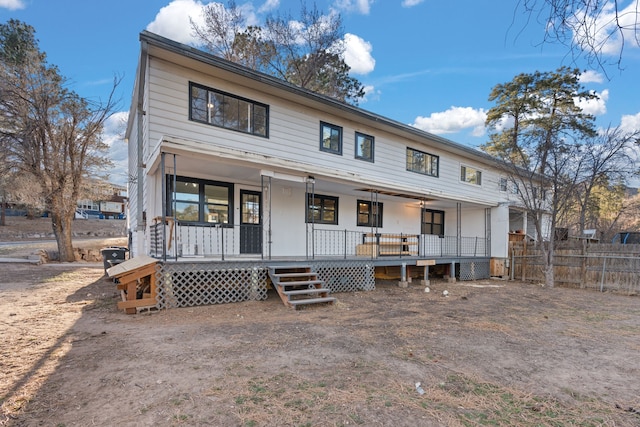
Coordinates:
[307,291]
[300,283]
[298,302]
[289,275]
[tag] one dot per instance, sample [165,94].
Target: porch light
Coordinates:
[311,180]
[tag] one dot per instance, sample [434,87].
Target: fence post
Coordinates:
[524,260]
[583,271]
[604,268]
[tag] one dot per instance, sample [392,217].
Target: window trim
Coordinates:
[370,215]
[433,157]
[373,144]
[201,199]
[322,197]
[463,175]
[340,138]
[239,98]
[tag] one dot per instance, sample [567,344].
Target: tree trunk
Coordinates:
[61,224]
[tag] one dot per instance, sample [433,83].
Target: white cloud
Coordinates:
[370,94]
[172,21]
[357,54]
[630,123]
[591,76]
[359,6]
[12,4]
[113,135]
[596,106]
[603,31]
[269,5]
[453,120]
[411,3]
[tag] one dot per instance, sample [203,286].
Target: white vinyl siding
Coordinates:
[293,135]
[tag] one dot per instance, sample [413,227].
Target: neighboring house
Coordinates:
[235,165]
[111,205]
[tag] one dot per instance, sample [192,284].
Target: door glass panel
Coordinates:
[251,209]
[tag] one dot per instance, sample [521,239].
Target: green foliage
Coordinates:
[536,118]
[307,54]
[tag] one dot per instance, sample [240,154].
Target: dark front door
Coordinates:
[250,222]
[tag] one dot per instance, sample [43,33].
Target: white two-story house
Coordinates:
[235,166]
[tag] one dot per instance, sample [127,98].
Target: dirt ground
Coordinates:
[490,353]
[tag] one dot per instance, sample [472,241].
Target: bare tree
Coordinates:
[606,164]
[49,131]
[305,51]
[595,29]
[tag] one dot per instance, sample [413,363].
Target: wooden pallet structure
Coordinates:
[136,280]
[299,286]
[384,244]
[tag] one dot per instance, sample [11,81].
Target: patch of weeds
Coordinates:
[388,404]
[251,423]
[487,404]
[356,419]
[181,418]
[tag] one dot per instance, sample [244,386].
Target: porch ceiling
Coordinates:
[249,173]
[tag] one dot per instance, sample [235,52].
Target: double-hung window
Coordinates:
[470,175]
[330,138]
[369,214]
[432,222]
[421,162]
[322,209]
[197,200]
[503,184]
[364,147]
[228,111]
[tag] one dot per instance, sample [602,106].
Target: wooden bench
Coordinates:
[382,244]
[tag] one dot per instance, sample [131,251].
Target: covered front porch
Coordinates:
[221,209]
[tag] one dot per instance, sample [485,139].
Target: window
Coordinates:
[322,209]
[423,163]
[330,138]
[503,184]
[369,214]
[197,200]
[228,111]
[470,175]
[432,222]
[364,147]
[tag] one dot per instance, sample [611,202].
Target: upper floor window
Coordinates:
[369,214]
[503,184]
[197,200]
[470,175]
[322,209]
[228,111]
[420,162]
[330,138]
[364,147]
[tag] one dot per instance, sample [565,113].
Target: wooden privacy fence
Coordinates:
[581,264]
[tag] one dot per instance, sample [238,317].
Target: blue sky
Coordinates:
[428,63]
